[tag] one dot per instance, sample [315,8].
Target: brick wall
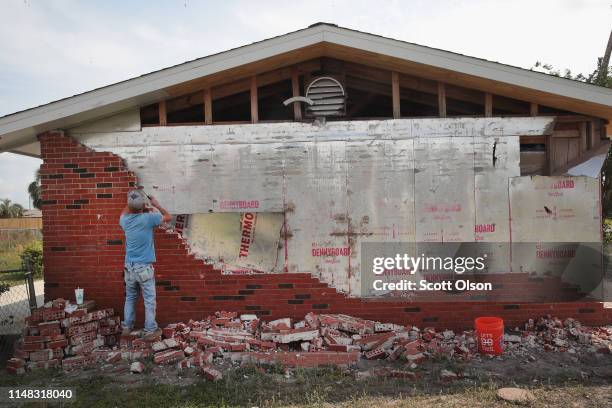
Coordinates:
[83,194]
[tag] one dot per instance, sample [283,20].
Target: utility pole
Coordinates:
[605,62]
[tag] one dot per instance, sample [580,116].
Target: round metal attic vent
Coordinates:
[328,98]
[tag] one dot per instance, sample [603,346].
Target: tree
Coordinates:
[602,76]
[9,209]
[34,190]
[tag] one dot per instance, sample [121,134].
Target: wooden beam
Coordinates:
[533,109]
[590,133]
[163,117]
[234,86]
[488,105]
[208,118]
[254,105]
[428,86]
[603,148]
[468,81]
[583,131]
[295,87]
[307,81]
[395,92]
[441,100]
[549,155]
[407,94]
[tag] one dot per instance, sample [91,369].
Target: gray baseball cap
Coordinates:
[136,200]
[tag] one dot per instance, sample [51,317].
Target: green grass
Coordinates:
[11,247]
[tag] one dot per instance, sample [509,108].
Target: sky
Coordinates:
[54,49]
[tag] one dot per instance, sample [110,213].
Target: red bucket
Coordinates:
[490,335]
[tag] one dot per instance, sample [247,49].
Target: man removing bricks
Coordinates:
[138,222]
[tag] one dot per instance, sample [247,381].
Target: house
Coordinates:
[291,162]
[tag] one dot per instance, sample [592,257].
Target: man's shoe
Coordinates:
[126,331]
[154,335]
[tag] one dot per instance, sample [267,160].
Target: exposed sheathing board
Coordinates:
[316,196]
[237,242]
[339,184]
[556,229]
[444,195]
[380,190]
[555,209]
[496,159]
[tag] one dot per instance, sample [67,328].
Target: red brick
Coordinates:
[32,346]
[83,338]
[168,357]
[57,344]
[35,339]
[81,328]
[49,328]
[15,362]
[211,374]
[12,370]
[49,314]
[41,355]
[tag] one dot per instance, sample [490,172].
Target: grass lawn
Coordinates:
[252,386]
[10,249]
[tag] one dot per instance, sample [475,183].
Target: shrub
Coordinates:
[33,255]
[607,230]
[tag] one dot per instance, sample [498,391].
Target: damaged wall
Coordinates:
[340,184]
[83,194]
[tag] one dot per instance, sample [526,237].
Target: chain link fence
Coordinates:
[19,291]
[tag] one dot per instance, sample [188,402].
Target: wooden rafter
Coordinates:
[488,106]
[208,118]
[295,91]
[395,91]
[254,98]
[163,116]
[406,94]
[427,86]
[441,99]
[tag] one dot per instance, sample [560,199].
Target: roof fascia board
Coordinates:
[161,79]
[468,65]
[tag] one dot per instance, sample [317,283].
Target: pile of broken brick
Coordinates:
[75,338]
[61,334]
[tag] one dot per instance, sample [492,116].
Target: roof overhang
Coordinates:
[18,130]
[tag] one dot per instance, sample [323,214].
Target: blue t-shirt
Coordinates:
[138,228]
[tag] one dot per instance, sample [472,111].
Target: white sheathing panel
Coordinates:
[555,209]
[556,224]
[496,159]
[339,184]
[444,196]
[316,194]
[380,190]
[260,168]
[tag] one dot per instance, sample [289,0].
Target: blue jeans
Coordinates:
[139,276]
